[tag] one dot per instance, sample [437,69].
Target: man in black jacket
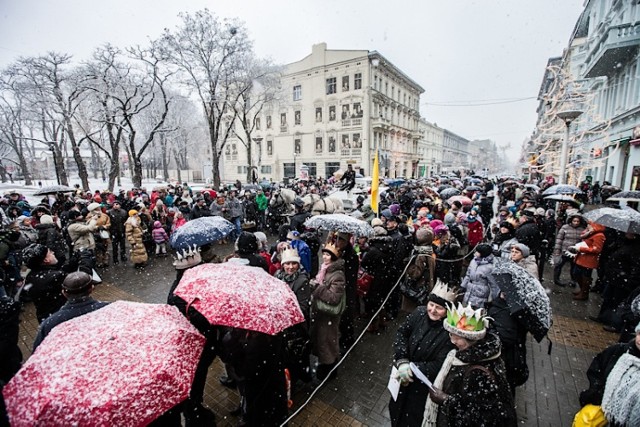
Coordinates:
[118,217]
[76,288]
[351,265]
[528,232]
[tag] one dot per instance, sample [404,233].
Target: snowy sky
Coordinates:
[460,51]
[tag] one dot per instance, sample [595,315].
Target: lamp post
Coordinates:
[258,141]
[567,117]
[294,165]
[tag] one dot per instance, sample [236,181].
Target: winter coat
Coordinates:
[477,282]
[118,218]
[377,262]
[529,234]
[133,232]
[600,369]
[529,264]
[502,245]
[10,354]
[235,208]
[401,253]
[588,256]
[262,202]
[46,290]
[425,343]
[479,394]
[325,327]
[103,222]
[50,236]
[567,236]
[217,209]
[447,250]
[622,269]
[72,309]
[159,235]
[199,212]
[299,284]
[82,235]
[304,252]
[475,233]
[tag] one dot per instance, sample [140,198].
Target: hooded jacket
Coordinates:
[588,255]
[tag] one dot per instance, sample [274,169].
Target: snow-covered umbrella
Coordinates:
[340,222]
[462,199]
[524,295]
[449,192]
[473,188]
[561,189]
[625,220]
[562,198]
[629,196]
[200,232]
[240,296]
[53,189]
[122,365]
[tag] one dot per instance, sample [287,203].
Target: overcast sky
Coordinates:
[458,51]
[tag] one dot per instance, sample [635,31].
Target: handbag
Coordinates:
[104,234]
[331,309]
[590,416]
[364,282]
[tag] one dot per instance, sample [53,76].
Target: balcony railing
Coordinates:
[616,45]
[284,129]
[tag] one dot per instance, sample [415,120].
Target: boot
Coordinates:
[583,295]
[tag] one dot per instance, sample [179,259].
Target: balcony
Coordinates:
[617,44]
[380,123]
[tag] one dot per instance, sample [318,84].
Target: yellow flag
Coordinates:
[375,178]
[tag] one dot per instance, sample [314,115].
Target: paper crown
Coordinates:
[290,255]
[466,322]
[332,249]
[187,258]
[442,294]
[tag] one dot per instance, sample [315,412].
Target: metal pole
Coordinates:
[563,156]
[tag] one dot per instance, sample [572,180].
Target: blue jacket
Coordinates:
[304,252]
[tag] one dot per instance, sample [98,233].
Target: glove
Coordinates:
[570,254]
[404,374]
[438,396]
[572,249]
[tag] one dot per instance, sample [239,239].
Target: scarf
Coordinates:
[322,272]
[621,399]
[288,278]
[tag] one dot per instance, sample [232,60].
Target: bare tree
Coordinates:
[206,51]
[12,141]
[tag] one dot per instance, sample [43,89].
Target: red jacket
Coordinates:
[475,233]
[588,256]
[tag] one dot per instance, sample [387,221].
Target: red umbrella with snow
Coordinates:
[240,296]
[462,199]
[122,365]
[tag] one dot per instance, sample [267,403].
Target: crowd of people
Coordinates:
[429,256]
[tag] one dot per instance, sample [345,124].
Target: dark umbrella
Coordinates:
[625,220]
[473,188]
[561,189]
[53,189]
[444,187]
[524,295]
[396,182]
[449,192]
[562,198]
[201,231]
[629,196]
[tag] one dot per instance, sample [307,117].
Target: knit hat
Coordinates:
[379,230]
[484,250]
[157,224]
[540,211]
[440,230]
[74,215]
[262,239]
[424,236]
[449,218]
[375,222]
[333,250]
[386,213]
[293,235]
[508,225]
[290,255]
[247,243]
[503,209]
[34,254]
[395,209]
[530,212]
[524,249]
[466,322]
[46,219]
[187,258]
[435,223]
[93,206]
[442,295]
[133,212]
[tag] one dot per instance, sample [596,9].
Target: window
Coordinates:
[357,109]
[289,170]
[297,146]
[332,113]
[242,170]
[297,92]
[357,81]
[297,117]
[345,142]
[331,86]
[313,169]
[357,143]
[345,84]
[265,169]
[283,119]
[269,147]
[318,145]
[257,123]
[332,144]
[268,122]
[318,114]
[330,168]
[375,82]
[345,111]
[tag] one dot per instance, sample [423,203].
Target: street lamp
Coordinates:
[258,142]
[567,116]
[294,165]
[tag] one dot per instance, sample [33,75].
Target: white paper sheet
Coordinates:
[422,377]
[394,384]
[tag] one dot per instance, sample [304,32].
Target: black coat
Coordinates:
[479,394]
[600,369]
[72,309]
[377,261]
[622,269]
[529,234]
[50,236]
[10,354]
[425,343]
[46,290]
[118,218]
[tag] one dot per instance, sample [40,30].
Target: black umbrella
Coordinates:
[473,188]
[625,220]
[53,189]
[449,192]
[444,187]
[524,295]
[561,189]
[629,196]
[562,198]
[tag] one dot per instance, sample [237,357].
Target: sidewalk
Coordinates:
[359,395]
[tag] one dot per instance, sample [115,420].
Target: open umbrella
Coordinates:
[473,188]
[532,187]
[562,198]
[53,189]
[122,365]
[240,296]
[201,231]
[462,199]
[340,222]
[561,189]
[625,220]
[444,187]
[510,182]
[449,192]
[394,182]
[524,295]
[629,196]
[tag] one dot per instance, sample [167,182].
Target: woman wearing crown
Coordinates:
[471,388]
[422,340]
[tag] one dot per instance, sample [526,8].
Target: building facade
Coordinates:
[455,154]
[339,107]
[430,149]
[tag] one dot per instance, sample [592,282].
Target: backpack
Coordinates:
[413,283]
